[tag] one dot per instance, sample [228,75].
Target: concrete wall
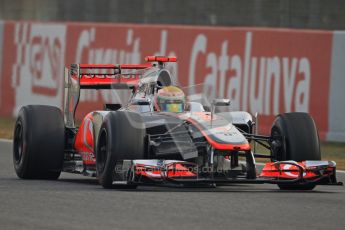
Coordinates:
[315,14]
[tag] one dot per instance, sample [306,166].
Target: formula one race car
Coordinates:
[160,138]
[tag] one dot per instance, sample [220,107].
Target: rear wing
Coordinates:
[97,76]
[102,76]
[107,76]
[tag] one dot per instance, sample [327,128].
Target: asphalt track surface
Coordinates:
[77,202]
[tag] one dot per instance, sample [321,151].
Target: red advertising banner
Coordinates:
[264,71]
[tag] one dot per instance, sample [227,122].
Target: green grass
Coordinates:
[330,150]
[334,151]
[6,127]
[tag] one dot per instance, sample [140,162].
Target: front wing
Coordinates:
[187,173]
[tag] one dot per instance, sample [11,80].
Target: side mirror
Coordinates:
[218,102]
[221,102]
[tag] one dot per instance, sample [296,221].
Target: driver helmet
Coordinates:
[170,99]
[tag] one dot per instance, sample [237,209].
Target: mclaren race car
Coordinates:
[160,138]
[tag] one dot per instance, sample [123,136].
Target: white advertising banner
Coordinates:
[38,68]
[337,89]
[1,54]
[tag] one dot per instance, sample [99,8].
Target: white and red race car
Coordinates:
[138,144]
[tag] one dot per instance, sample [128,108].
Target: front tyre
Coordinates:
[121,137]
[38,142]
[299,142]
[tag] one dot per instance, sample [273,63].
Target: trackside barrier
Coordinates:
[268,71]
[336,102]
[1,53]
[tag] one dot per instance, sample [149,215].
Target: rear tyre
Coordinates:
[38,143]
[300,141]
[121,137]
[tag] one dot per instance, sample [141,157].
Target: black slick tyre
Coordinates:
[300,142]
[121,137]
[38,142]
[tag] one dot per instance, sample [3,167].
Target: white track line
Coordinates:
[5,140]
[262,164]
